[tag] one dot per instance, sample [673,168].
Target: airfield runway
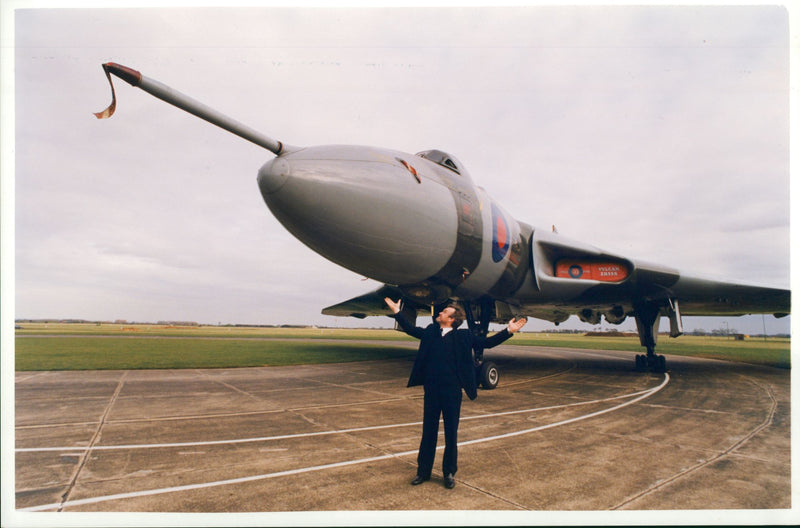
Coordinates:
[565,430]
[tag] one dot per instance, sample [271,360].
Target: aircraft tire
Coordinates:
[661,364]
[488,375]
[641,362]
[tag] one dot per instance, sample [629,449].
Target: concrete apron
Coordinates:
[586,432]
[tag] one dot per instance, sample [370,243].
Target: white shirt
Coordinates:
[446,330]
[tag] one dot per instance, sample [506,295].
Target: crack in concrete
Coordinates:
[495,496]
[92,442]
[225,384]
[719,455]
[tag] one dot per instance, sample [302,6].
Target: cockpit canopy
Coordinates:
[444,159]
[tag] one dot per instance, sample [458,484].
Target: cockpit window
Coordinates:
[442,158]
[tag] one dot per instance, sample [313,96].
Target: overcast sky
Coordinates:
[661,133]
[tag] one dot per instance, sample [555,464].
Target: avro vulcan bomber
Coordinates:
[418,224]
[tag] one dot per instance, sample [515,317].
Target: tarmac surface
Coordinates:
[565,430]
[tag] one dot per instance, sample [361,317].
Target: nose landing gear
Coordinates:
[486,372]
[488,375]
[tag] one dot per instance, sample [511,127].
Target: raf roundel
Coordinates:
[499,235]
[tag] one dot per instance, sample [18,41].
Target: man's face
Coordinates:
[445,317]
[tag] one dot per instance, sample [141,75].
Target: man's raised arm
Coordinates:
[405,324]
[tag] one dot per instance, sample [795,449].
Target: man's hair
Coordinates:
[458,315]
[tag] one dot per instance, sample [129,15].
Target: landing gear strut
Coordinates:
[648,316]
[486,372]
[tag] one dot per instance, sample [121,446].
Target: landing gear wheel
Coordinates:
[651,362]
[488,375]
[660,365]
[641,362]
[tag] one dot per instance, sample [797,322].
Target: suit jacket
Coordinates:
[465,341]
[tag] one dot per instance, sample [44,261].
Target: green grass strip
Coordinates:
[111,353]
[774,352]
[122,346]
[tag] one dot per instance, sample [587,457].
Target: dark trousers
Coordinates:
[445,402]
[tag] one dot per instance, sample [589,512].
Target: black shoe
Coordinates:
[449,481]
[419,480]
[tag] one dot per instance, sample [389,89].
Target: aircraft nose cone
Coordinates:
[273,175]
[352,206]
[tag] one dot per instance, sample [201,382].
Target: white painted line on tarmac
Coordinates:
[316,433]
[645,394]
[145,493]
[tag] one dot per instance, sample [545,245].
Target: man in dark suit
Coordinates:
[444,366]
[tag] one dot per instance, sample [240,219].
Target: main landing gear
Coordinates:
[486,372]
[648,316]
[651,361]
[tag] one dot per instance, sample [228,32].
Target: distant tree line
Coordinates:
[727,332]
[715,332]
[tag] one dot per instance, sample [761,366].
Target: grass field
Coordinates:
[93,353]
[91,346]
[773,352]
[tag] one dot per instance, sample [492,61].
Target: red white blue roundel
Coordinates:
[575,271]
[500,235]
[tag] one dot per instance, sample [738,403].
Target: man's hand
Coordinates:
[515,325]
[394,306]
